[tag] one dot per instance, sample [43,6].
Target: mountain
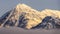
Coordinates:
[26,17]
[49,22]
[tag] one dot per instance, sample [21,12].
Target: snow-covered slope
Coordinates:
[26,17]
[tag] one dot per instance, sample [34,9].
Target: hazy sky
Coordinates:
[6,5]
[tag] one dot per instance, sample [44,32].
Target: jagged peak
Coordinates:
[22,6]
[25,8]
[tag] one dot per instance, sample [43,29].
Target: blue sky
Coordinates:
[6,5]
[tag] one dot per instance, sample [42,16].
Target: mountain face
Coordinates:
[26,17]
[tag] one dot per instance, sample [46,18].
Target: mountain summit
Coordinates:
[26,17]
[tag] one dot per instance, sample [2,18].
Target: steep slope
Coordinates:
[48,22]
[27,17]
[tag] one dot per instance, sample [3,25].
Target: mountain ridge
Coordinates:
[26,17]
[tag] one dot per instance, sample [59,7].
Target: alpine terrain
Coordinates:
[26,17]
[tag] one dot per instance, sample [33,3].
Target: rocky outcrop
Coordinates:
[27,17]
[48,22]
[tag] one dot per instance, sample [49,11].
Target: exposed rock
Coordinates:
[26,17]
[49,22]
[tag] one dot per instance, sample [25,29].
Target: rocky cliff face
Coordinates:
[27,17]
